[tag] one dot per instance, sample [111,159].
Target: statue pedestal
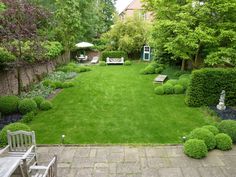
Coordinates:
[221,106]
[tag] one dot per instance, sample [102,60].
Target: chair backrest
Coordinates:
[51,168]
[20,140]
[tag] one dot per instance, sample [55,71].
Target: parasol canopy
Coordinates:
[84,45]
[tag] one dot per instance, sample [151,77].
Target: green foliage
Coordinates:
[27,105]
[168,88]
[46,105]
[159,70]
[8,104]
[207,84]
[184,82]
[159,90]
[205,135]
[185,76]
[28,117]
[178,89]
[148,70]
[12,127]
[53,49]
[68,84]
[113,54]
[74,68]
[102,63]
[223,142]
[195,148]
[228,127]
[153,68]
[38,100]
[172,81]
[6,56]
[128,63]
[212,129]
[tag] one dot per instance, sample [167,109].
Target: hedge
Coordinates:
[113,54]
[207,84]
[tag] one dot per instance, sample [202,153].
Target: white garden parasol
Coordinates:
[84,45]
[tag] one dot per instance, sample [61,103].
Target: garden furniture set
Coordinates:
[115,60]
[19,157]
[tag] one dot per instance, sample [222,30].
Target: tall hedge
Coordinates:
[113,54]
[207,84]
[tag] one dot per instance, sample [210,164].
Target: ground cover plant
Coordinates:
[116,104]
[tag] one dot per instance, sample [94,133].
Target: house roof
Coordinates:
[132,7]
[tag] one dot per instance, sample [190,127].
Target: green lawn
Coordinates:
[116,104]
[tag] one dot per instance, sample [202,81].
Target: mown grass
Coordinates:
[116,104]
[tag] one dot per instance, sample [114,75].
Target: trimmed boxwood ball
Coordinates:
[38,100]
[27,105]
[172,81]
[184,82]
[159,70]
[223,142]
[149,70]
[195,148]
[159,90]
[168,88]
[102,63]
[8,104]
[228,127]
[205,135]
[11,127]
[128,63]
[46,105]
[212,129]
[178,89]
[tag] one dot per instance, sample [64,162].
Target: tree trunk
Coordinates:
[183,65]
[197,56]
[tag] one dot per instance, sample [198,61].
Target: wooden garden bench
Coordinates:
[115,60]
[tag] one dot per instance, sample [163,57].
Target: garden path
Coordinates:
[138,161]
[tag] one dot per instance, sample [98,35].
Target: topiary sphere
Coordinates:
[228,127]
[205,135]
[149,70]
[27,105]
[184,82]
[223,142]
[159,90]
[178,89]
[127,63]
[195,148]
[212,129]
[11,127]
[172,82]
[38,100]
[168,88]
[46,105]
[8,104]
[159,70]
[102,63]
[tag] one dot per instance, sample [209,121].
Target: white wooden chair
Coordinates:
[45,171]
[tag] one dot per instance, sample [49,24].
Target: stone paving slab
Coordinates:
[138,161]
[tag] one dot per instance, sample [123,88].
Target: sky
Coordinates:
[122,4]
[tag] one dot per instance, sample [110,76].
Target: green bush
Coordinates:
[28,117]
[38,100]
[207,84]
[212,129]
[68,84]
[180,73]
[159,70]
[168,88]
[195,148]
[185,76]
[46,105]
[58,84]
[8,104]
[148,70]
[178,89]
[184,82]
[205,135]
[102,63]
[53,49]
[6,56]
[127,63]
[228,127]
[113,54]
[172,82]
[27,105]
[11,127]
[223,142]
[159,90]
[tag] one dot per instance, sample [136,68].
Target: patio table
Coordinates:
[8,165]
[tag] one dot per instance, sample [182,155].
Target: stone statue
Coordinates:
[221,106]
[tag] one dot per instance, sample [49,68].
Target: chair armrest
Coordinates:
[28,152]
[107,59]
[6,149]
[36,167]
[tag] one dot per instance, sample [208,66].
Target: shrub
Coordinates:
[128,63]
[28,117]
[47,82]
[178,89]
[185,76]
[6,56]
[68,84]
[159,90]
[11,127]
[168,88]
[159,70]
[205,135]
[212,129]
[195,148]
[148,70]
[38,100]
[206,85]
[113,54]
[180,73]
[58,84]
[102,63]
[46,105]
[223,142]
[172,82]
[53,49]
[27,105]
[228,127]
[8,104]
[184,82]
